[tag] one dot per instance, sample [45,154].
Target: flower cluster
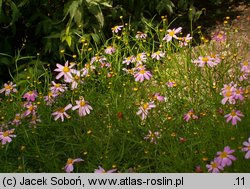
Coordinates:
[231,93]
[222,160]
[245,70]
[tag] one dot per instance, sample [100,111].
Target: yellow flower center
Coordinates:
[171,33]
[57,85]
[228,94]
[31,92]
[223,155]
[77,77]
[233,113]
[245,63]
[248,147]
[66,69]
[82,103]
[70,161]
[61,110]
[142,71]
[8,87]
[6,133]
[214,165]
[158,52]
[204,59]
[145,106]
[31,108]
[17,117]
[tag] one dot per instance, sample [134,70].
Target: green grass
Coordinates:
[112,135]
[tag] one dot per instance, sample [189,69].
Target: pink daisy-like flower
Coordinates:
[109,50]
[6,136]
[171,83]
[214,166]
[172,34]
[60,113]
[141,57]
[58,88]
[140,35]
[8,88]
[116,29]
[142,75]
[143,110]
[207,60]
[158,97]
[30,96]
[234,116]
[190,115]
[50,98]
[184,41]
[69,167]
[76,79]
[101,170]
[225,158]
[82,106]
[219,36]
[152,136]
[239,94]
[87,69]
[246,148]
[158,55]
[31,109]
[17,120]
[65,71]
[100,59]
[129,60]
[245,67]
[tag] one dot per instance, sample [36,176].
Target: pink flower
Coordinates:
[214,166]
[65,71]
[116,29]
[58,88]
[239,94]
[109,50]
[172,34]
[143,110]
[219,36]
[17,120]
[82,106]
[141,57]
[142,75]
[152,136]
[87,69]
[234,116]
[225,158]
[6,136]
[129,60]
[101,170]
[158,97]
[8,88]
[50,98]
[158,55]
[31,109]
[70,164]
[207,60]
[171,83]
[60,113]
[245,67]
[30,96]
[141,35]
[190,115]
[100,59]
[76,79]
[185,40]
[228,91]
[246,148]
